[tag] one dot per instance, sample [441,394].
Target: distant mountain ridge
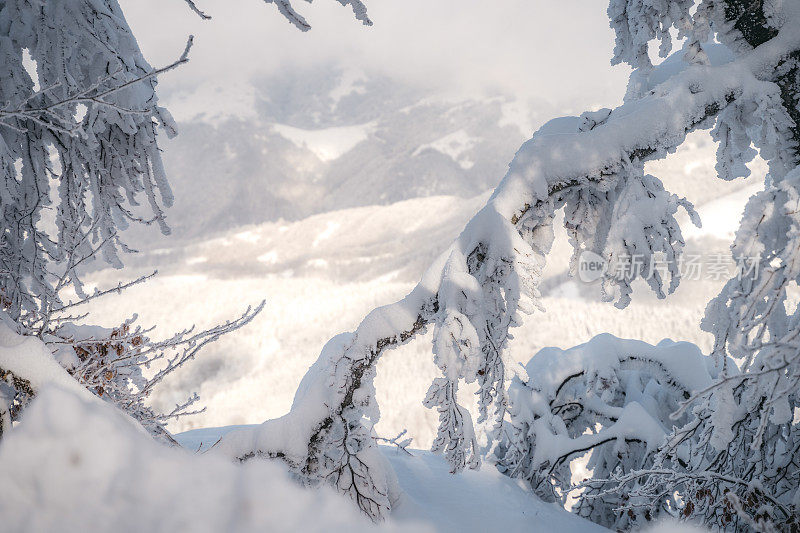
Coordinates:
[311,142]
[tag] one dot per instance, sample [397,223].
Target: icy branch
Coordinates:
[480,287]
[92,95]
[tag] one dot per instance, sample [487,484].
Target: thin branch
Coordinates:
[97,293]
[197,10]
[84,97]
[400,444]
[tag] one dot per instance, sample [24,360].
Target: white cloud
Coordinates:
[555,50]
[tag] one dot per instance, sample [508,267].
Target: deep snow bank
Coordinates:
[482,500]
[74,465]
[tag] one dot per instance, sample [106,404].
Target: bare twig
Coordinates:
[97,293]
[400,444]
[197,10]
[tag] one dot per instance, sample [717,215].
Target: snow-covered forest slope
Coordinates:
[327,270]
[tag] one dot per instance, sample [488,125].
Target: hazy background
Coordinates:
[436,95]
[323,171]
[555,52]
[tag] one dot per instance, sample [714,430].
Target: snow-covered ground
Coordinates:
[483,500]
[76,464]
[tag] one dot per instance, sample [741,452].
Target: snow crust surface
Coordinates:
[73,465]
[483,500]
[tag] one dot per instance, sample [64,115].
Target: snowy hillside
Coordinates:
[309,142]
[328,270]
[312,141]
[358,244]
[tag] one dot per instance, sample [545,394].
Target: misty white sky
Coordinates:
[552,50]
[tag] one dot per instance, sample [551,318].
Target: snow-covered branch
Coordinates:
[197,10]
[477,289]
[287,10]
[610,397]
[112,362]
[498,258]
[93,94]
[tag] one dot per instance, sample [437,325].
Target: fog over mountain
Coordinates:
[326,140]
[293,124]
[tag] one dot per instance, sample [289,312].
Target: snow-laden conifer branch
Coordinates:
[476,290]
[94,94]
[610,397]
